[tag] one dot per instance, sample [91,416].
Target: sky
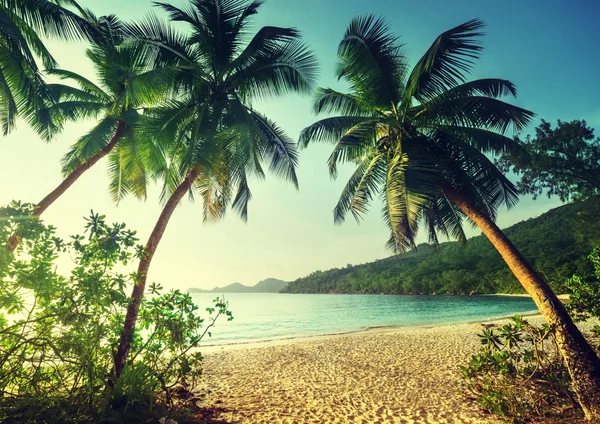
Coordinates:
[547,48]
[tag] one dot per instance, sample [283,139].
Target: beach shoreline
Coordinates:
[401,375]
[385,329]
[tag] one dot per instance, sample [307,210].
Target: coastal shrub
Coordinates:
[584,287]
[519,373]
[59,331]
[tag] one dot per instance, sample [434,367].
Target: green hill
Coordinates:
[556,244]
[269,285]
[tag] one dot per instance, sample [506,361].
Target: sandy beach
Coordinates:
[388,375]
[382,376]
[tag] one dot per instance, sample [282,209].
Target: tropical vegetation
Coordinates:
[557,244]
[24,25]
[58,353]
[562,161]
[215,138]
[177,108]
[519,373]
[420,138]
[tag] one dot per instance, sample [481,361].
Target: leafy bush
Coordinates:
[58,332]
[519,373]
[584,300]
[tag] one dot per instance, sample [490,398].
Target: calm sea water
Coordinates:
[261,317]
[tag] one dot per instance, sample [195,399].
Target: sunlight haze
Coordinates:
[547,48]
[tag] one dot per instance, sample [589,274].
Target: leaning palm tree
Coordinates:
[22,24]
[419,138]
[127,83]
[217,138]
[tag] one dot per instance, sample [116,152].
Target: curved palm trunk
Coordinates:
[13,241]
[582,362]
[144,265]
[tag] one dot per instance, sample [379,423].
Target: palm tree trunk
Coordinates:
[581,360]
[13,241]
[144,265]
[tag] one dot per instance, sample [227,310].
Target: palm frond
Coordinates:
[371,60]
[328,100]
[477,112]
[83,83]
[281,150]
[89,144]
[290,69]
[365,182]
[446,62]
[332,129]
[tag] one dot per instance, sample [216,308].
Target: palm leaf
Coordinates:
[446,62]
[370,59]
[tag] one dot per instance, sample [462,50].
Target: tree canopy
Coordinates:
[563,161]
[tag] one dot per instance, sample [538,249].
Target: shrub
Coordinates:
[584,301]
[58,332]
[519,374]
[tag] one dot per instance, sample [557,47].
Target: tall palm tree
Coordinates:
[22,24]
[127,83]
[219,139]
[419,137]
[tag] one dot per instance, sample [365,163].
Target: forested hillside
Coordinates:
[556,243]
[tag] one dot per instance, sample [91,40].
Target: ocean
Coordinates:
[271,316]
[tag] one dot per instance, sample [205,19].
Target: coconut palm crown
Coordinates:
[213,136]
[212,122]
[416,133]
[127,83]
[420,137]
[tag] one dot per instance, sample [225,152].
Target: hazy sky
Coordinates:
[549,49]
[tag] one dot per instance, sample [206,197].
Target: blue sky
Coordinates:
[547,48]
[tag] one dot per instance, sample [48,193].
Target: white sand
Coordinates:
[406,375]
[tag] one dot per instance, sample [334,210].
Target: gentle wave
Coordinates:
[272,317]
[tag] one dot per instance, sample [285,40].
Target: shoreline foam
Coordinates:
[382,329]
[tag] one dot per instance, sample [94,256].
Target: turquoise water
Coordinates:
[261,317]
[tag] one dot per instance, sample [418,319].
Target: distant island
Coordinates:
[556,243]
[269,285]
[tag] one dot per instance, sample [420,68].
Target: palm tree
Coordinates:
[219,139]
[22,24]
[128,83]
[419,137]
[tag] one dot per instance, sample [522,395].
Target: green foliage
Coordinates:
[23,24]
[556,244]
[222,70]
[584,301]
[519,373]
[58,332]
[562,161]
[418,138]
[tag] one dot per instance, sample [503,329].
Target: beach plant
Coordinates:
[584,298]
[59,331]
[24,24]
[421,138]
[127,82]
[522,377]
[214,138]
